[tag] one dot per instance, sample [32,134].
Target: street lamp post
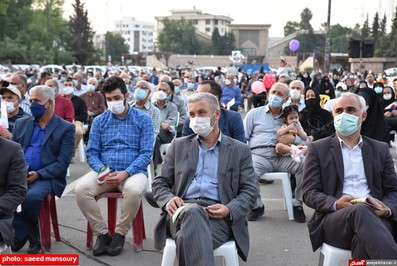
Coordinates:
[328,38]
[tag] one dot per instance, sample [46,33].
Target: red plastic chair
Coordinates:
[138,226]
[48,209]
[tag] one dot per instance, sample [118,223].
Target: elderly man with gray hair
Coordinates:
[296,89]
[47,141]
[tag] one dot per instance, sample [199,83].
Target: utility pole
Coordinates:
[328,38]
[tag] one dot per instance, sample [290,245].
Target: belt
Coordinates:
[202,201]
[263,146]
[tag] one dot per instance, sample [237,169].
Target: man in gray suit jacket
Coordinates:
[215,173]
[341,168]
[12,186]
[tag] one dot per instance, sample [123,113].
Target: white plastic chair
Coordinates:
[150,175]
[287,193]
[333,256]
[228,251]
[80,147]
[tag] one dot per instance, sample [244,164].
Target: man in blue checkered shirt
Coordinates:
[119,149]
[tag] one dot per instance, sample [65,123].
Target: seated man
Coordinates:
[222,192]
[261,125]
[63,106]
[47,141]
[121,141]
[230,122]
[11,97]
[13,186]
[341,168]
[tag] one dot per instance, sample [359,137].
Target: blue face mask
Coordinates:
[37,109]
[346,124]
[176,89]
[378,90]
[338,94]
[139,94]
[275,101]
[75,83]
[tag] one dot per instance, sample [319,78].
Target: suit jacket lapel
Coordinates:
[224,158]
[52,124]
[29,132]
[366,153]
[193,153]
[336,152]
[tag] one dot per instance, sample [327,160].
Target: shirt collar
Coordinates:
[343,144]
[216,144]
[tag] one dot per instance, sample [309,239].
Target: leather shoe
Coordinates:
[17,244]
[34,241]
[101,244]
[254,214]
[299,215]
[149,198]
[117,244]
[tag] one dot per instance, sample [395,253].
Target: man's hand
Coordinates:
[32,176]
[174,204]
[217,211]
[388,114]
[384,210]
[165,126]
[4,133]
[344,202]
[116,178]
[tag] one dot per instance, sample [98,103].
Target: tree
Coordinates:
[375,27]
[366,31]
[306,16]
[115,45]
[81,35]
[291,27]
[178,36]
[216,41]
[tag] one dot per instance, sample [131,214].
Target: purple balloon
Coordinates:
[294,45]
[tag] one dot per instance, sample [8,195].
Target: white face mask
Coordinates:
[227,82]
[90,87]
[295,94]
[161,95]
[116,107]
[387,97]
[68,90]
[10,106]
[201,125]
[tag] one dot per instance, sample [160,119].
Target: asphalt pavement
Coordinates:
[274,240]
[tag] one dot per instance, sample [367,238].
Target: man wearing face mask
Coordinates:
[63,106]
[121,139]
[340,88]
[345,167]
[141,96]
[80,110]
[79,87]
[211,175]
[94,101]
[47,142]
[177,90]
[231,91]
[11,98]
[261,125]
[20,82]
[296,88]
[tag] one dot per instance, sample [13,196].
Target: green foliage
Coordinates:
[115,46]
[291,27]
[81,35]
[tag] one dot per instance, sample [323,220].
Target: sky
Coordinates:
[103,13]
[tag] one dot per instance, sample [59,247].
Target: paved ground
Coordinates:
[274,239]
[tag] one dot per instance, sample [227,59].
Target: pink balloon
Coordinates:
[269,80]
[294,45]
[258,87]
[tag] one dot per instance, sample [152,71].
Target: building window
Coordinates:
[248,51]
[216,22]
[207,21]
[208,29]
[195,22]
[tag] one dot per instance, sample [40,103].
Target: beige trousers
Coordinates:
[78,134]
[87,189]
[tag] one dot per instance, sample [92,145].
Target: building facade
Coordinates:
[137,34]
[203,22]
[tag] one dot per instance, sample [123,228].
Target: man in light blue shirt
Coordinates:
[231,91]
[121,140]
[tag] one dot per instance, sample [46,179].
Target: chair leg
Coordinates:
[44,226]
[138,228]
[54,218]
[89,236]
[112,214]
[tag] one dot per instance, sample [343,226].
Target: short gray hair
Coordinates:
[301,84]
[360,100]
[165,77]
[47,92]
[205,96]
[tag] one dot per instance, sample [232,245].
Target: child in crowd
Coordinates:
[292,126]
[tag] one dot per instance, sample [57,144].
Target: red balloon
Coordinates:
[258,87]
[269,80]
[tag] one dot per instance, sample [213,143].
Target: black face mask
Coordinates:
[312,103]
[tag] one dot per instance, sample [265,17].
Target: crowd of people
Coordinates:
[329,131]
